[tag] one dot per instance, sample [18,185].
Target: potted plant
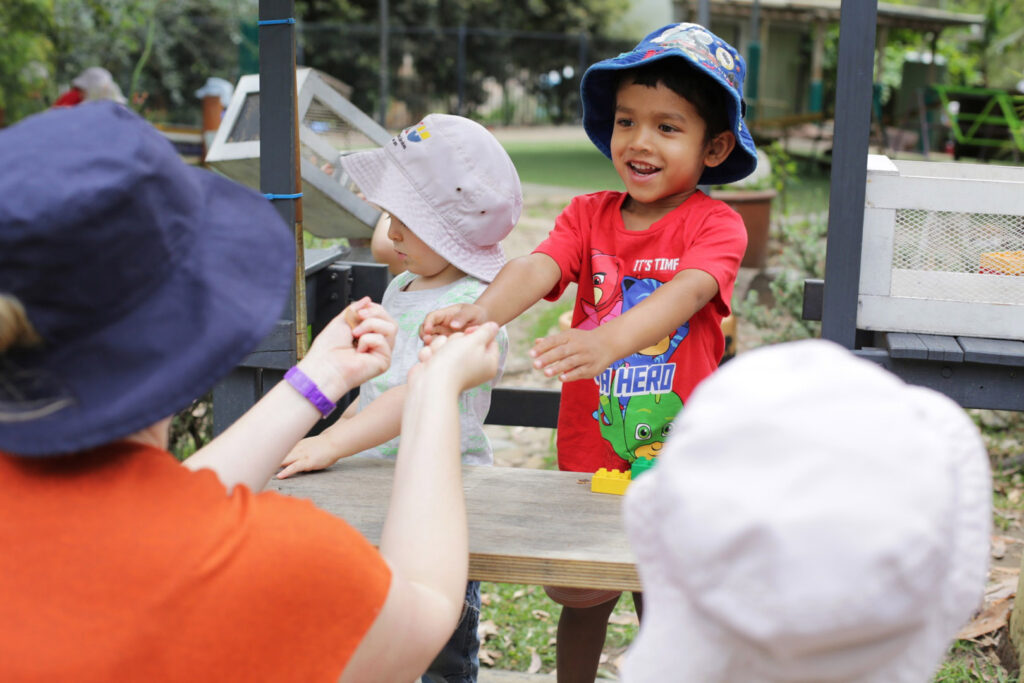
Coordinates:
[752,199]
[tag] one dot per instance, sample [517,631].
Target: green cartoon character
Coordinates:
[639,429]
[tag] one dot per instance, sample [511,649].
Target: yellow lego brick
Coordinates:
[610,481]
[1002,263]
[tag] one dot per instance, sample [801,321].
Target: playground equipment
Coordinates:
[985,122]
[329,126]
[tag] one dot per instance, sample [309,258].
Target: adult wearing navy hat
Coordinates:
[129,284]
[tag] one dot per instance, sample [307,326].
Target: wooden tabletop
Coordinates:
[525,526]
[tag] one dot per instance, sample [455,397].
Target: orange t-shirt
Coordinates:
[121,565]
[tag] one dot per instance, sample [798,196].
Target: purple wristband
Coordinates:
[308,388]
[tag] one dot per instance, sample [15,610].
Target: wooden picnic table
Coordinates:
[525,526]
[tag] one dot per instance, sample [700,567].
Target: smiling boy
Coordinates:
[655,267]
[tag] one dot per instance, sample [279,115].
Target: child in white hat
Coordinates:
[452,194]
[813,518]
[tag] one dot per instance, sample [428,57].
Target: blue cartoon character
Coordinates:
[635,290]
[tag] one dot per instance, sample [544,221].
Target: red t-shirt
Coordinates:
[121,565]
[627,411]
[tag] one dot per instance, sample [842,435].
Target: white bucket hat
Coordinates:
[97,84]
[813,518]
[451,182]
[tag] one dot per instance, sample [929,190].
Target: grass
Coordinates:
[572,163]
[519,624]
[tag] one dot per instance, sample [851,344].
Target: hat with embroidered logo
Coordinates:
[452,183]
[697,48]
[145,279]
[813,518]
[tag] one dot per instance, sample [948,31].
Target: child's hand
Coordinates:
[343,357]
[571,355]
[451,319]
[309,454]
[470,358]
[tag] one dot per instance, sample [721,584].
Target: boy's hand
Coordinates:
[343,357]
[470,359]
[572,355]
[451,319]
[309,454]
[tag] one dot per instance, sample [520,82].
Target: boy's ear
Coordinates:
[719,148]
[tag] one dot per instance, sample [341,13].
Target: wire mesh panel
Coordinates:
[949,243]
[943,249]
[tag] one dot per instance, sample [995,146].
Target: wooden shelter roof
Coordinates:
[924,19]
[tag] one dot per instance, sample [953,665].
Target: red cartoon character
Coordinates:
[606,278]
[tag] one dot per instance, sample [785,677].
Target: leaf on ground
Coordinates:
[1001,587]
[1008,540]
[624,619]
[540,615]
[489,657]
[534,662]
[485,599]
[998,548]
[486,629]
[990,619]
[518,594]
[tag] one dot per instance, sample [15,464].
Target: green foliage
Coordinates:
[519,621]
[162,50]
[342,38]
[25,57]
[802,256]
[966,663]
[192,428]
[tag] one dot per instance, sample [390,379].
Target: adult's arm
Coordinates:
[252,448]
[424,538]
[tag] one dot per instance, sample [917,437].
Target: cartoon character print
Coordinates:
[635,290]
[637,404]
[640,429]
[698,43]
[607,303]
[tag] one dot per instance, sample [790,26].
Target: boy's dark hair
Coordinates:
[706,95]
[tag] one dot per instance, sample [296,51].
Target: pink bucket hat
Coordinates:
[451,182]
[813,518]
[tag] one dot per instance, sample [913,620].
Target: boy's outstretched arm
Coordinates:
[521,283]
[584,354]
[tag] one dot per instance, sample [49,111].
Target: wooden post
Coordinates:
[849,164]
[212,112]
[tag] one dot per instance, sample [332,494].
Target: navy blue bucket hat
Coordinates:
[700,49]
[146,279]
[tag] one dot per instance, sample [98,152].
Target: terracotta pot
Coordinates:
[755,208]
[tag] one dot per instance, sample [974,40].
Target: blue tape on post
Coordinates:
[272,196]
[271,22]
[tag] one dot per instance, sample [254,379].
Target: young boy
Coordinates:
[655,267]
[452,194]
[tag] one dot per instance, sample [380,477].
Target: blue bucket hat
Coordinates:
[147,279]
[702,50]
